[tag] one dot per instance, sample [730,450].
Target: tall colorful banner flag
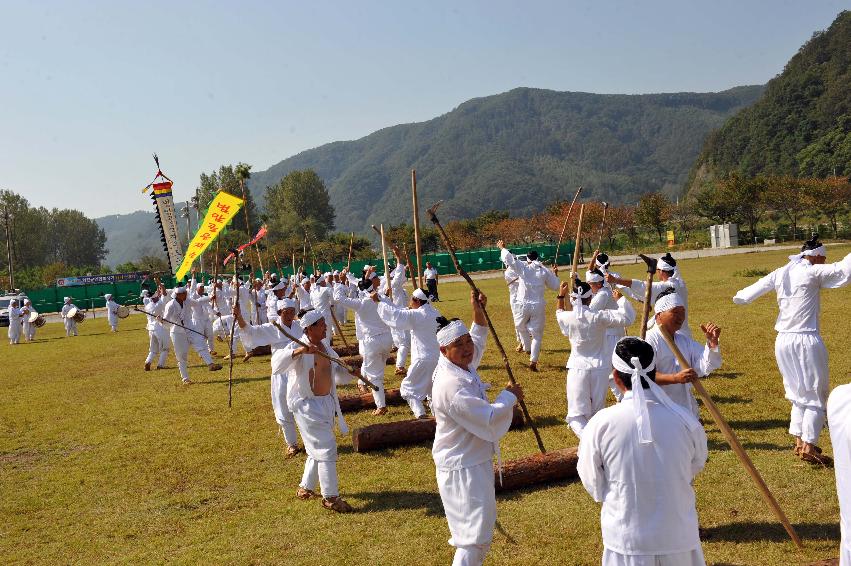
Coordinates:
[166,218]
[222,210]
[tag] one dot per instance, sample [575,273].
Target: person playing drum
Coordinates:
[68,312]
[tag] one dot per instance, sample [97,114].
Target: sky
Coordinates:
[89,90]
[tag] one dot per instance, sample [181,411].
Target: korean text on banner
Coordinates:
[222,210]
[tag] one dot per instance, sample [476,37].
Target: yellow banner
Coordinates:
[222,210]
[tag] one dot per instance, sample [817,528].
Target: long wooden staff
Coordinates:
[312,253]
[351,243]
[417,247]
[648,290]
[386,265]
[576,246]
[602,224]
[338,361]
[564,226]
[446,242]
[163,319]
[337,324]
[734,442]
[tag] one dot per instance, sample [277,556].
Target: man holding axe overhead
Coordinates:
[374,339]
[312,397]
[270,334]
[399,297]
[467,435]
[531,314]
[703,359]
[639,459]
[587,366]
[179,310]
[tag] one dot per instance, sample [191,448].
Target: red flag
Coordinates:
[260,234]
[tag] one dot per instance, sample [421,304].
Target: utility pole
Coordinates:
[8,221]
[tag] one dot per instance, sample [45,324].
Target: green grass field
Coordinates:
[101,462]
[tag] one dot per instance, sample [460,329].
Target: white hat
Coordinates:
[146,293]
[282,304]
[451,332]
[420,295]
[280,286]
[67,299]
[310,318]
[336,272]
[593,276]
[177,290]
[107,296]
[668,301]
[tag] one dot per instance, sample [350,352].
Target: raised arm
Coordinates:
[758,289]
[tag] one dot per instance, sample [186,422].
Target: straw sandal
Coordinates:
[337,504]
[305,494]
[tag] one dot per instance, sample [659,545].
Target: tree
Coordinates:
[227,179]
[653,211]
[786,195]
[830,197]
[300,204]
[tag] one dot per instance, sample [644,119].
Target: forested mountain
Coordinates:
[134,235]
[800,126]
[517,151]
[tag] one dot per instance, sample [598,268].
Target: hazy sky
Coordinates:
[88,90]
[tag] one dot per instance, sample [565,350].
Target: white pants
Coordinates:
[375,350]
[586,395]
[113,322]
[29,331]
[206,326]
[14,332]
[417,383]
[181,343]
[802,359]
[514,308]
[845,555]
[469,501]
[158,346]
[529,321]
[402,340]
[315,418]
[283,415]
[690,558]
[70,326]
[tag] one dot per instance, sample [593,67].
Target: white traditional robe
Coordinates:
[158,340]
[799,349]
[512,280]
[112,314]
[374,338]
[315,416]
[465,441]
[839,423]
[530,313]
[28,327]
[702,359]
[401,336]
[15,324]
[268,335]
[421,323]
[648,510]
[588,367]
[321,298]
[70,323]
[181,338]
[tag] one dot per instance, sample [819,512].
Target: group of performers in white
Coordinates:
[637,457]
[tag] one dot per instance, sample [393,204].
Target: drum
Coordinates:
[36,319]
[76,314]
[122,312]
[72,312]
[33,317]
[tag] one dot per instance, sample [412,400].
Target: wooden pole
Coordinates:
[337,324]
[564,226]
[602,224]
[351,243]
[648,291]
[469,280]
[386,265]
[294,272]
[575,266]
[247,224]
[731,438]
[417,250]
[410,266]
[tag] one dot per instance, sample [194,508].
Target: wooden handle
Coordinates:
[337,324]
[576,246]
[731,438]
[564,226]
[645,317]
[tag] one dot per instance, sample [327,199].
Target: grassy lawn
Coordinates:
[103,462]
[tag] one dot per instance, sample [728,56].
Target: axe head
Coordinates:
[651,263]
[605,205]
[431,211]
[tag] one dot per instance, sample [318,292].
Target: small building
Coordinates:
[724,236]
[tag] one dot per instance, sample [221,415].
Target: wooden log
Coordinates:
[344,351]
[557,465]
[357,361]
[404,433]
[362,402]
[262,351]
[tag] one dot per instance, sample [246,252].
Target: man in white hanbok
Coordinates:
[158,341]
[29,328]
[603,299]
[111,312]
[16,322]
[467,435]
[268,334]
[70,323]
[587,367]
[312,398]
[512,281]
[401,336]
[178,311]
[670,314]
[639,459]
[799,349]
[839,423]
[531,311]
[420,319]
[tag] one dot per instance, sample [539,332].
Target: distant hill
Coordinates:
[518,151]
[801,122]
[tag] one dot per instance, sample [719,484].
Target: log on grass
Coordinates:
[262,351]
[404,433]
[343,350]
[362,402]
[357,361]
[553,466]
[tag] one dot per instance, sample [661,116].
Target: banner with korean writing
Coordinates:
[222,210]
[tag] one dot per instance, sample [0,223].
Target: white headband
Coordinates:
[280,286]
[310,318]
[664,265]
[451,332]
[420,295]
[576,300]
[820,251]
[639,399]
[668,302]
[285,304]
[591,277]
[67,299]
[108,296]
